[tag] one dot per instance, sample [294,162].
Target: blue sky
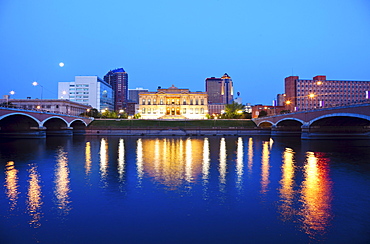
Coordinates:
[165,42]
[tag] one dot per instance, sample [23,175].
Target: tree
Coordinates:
[91,113]
[233,110]
[262,113]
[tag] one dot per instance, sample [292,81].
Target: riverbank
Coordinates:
[175,128]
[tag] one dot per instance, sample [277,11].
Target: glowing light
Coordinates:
[287,181]
[87,158]
[265,167]
[35,83]
[188,162]
[311,95]
[250,155]
[103,158]
[34,198]
[12,92]
[319,82]
[62,188]
[222,166]
[121,158]
[139,159]
[288,102]
[11,184]
[316,195]
[239,162]
[206,159]
[61,64]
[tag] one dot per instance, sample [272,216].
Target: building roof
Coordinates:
[118,70]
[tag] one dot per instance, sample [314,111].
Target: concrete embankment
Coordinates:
[176,131]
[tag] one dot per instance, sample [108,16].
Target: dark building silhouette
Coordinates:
[118,79]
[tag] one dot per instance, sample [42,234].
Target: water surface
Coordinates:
[184,190]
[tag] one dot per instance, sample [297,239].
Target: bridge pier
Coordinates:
[285,131]
[33,132]
[63,131]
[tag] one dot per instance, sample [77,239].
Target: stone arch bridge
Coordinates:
[37,124]
[352,121]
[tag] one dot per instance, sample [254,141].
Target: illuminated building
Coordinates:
[173,103]
[270,110]
[303,94]
[118,79]
[87,90]
[133,94]
[220,92]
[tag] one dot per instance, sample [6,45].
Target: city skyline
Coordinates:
[164,43]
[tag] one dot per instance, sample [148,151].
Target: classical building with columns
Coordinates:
[173,103]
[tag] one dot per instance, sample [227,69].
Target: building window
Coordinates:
[143,103]
[149,110]
[202,101]
[191,111]
[184,102]
[149,103]
[143,111]
[184,110]
[161,110]
[161,101]
[197,111]
[191,101]
[155,101]
[202,110]
[196,102]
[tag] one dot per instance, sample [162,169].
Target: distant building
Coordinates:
[173,103]
[220,90]
[280,100]
[303,94]
[87,90]
[270,110]
[133,94]
[118,79]
[50,105]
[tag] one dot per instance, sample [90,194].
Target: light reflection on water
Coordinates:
[11,183]
[295,181]
[34,200]
[62,181]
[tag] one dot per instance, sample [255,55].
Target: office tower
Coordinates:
[303,94]
[220,92]
[118,79]
[88,90]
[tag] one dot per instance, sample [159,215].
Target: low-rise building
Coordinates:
[59,106]
[270,110]
[173,103]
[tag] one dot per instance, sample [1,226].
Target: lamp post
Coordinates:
[35,83]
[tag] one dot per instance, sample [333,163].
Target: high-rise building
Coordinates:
[87,90]
[220,92]
[303,94]
[118,79]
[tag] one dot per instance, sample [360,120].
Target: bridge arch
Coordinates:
[265,123]
[77,121]
[22,114]
[290,121]
[54,118]
[340,115]
[18,122]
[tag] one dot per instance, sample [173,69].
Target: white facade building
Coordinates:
[88,90]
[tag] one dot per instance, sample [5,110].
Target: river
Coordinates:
[184,190]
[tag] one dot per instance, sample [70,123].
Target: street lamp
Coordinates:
[35,83]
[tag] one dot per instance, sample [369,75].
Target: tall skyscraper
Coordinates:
[220,90]
[302,94]
[118,79]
